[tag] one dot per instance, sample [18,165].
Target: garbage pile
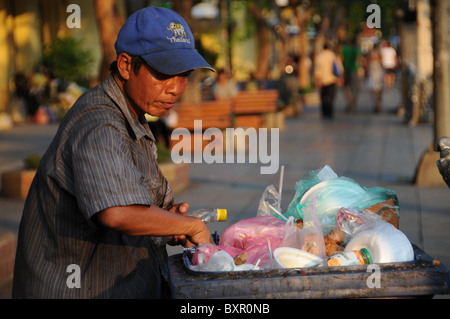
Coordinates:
[331,221]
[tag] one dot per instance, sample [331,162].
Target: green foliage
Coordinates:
[32,161]
[307,90]
[163,153]
[67,60]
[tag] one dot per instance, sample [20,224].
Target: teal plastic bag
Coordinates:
[333,194]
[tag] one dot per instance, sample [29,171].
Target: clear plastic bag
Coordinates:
[212,258]
[382,202]
[292,235]
[348,220]
[219,261]
[202,253]
[311,235]
[270,197]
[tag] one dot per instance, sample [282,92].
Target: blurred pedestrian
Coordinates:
[375,78]
[389,62]
[325,79]
[224,88]
[351,55]
[23,91]
[443,146]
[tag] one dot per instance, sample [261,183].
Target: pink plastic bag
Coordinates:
[253,236]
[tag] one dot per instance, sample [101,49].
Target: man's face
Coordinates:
[154,93]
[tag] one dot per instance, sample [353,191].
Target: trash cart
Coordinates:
[424,277]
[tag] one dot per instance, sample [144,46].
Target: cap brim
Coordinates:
[176,61]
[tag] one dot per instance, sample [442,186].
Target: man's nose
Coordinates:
[176,85]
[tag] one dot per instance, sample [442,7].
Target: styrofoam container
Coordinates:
[287,257]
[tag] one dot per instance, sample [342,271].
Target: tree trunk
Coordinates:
[441,70]
[184,8]
[110,23]
[427,173]
[192,93]
[303,16]
[264,48]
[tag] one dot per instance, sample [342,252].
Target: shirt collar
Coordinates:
[138,125]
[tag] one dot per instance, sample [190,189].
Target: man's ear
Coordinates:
[124,65]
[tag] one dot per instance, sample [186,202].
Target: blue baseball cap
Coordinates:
[162,38]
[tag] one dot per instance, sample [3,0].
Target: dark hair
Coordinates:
[136,63]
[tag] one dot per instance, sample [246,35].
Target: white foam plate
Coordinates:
[287,257]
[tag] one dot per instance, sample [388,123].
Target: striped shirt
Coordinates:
[102,156]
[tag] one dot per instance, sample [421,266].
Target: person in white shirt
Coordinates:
[325,79]
[389,62]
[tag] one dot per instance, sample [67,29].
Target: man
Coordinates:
[325,80]
[350,59]
[98,214]
[443,146]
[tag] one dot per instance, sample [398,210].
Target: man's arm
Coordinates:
[154,221]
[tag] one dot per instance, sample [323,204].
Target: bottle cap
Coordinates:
[368,256]
[221,215]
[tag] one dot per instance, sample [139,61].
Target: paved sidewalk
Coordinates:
[373,149]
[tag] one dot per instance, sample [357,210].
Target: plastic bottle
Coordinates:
[386,243]
[350,258]
[208,215]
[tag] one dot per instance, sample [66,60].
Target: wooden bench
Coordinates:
[255,102]
[215,114]
[253,107]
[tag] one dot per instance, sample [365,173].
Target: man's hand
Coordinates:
[201,233]
[181,208]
